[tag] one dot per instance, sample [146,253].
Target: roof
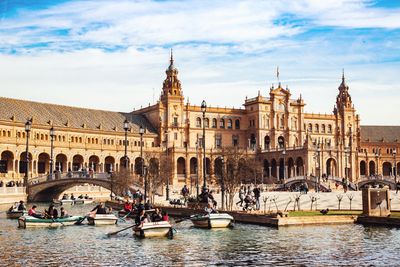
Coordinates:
[73,117]
[376,133]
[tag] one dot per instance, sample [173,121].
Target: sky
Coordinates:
[112,55]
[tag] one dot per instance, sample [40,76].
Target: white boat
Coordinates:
[102,219]
[29,221]
[154,229]
[84,201]
[15,214]
[212,220]
[63,201]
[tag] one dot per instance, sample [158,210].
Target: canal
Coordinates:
[243,245]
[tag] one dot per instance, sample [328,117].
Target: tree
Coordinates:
[233,172]
[123,180]
[254,169]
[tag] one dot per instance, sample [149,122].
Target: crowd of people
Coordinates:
[11,184]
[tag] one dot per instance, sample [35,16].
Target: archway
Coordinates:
[193,166]
[77,163]
[94,163]
[266,168]
[218,167]
[208,166]
[299,166]
[253,141]
[180,166]
[43,163]
[61,163]
[372,168]
[6,162]
[281,169]
[274,169]
[363,168]
[331,167]
[387,169]
[290,168]
[23,163]
[138,165]
[109,164]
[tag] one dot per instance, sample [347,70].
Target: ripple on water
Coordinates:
[242,246]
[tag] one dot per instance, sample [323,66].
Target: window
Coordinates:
[222,124]
[175,121]
[198,122]
[218,141]
[323,128]
[176,136]
[237,124]
[229,124]
[207,123]
[214,123]
[329,128]
[235,140]
[309,128]
[316,128]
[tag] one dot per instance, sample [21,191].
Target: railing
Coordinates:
[70,175]
[278,149]
[12,190]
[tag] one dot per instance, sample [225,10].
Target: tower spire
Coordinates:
[172,57]
[343,75]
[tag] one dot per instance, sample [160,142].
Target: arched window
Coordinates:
[316,128]
[329,128]
[214,123]
[310,128]
[323,128]
[222,124]
[229,124]
[237,124]
[198,122]
[207,123]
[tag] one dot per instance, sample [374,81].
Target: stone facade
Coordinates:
[275,127]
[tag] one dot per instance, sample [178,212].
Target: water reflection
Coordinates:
[241,246]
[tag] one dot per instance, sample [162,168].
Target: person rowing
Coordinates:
[99,209]
[32,212]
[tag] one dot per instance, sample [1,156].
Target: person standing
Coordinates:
[257,194]
[241,196]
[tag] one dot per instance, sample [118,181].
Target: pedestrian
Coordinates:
[257,194]
[241,196]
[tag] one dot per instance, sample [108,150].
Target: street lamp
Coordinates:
[319,166]
[28,126]
[222,183]
[167,163]
[141,132]
[204,109]
[395,165]
[52,135]
[126,128]
[197,169]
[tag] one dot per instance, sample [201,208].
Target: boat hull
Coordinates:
[102,219]
[222,220]
[153,229]
[29,221]
[14,214]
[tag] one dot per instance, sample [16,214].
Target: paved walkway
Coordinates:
[325,200]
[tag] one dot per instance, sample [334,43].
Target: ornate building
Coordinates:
[289,141]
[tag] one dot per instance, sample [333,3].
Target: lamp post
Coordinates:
[168,173]
[197,169]
[126,128]
[141,132]
[52,135]
[319,166]
[395,165]
[222,183]
[204,109]
[28,125]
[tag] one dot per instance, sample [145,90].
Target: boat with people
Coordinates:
[154,229]
[14,214]
[212,220]
[31,221]
[102,219]
[83,201]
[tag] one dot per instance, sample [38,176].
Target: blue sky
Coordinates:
[112,54]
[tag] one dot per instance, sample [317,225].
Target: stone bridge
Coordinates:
[378,180]
[45,189]
[311,182]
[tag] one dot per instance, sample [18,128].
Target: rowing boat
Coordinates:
[30,221]
[154,229]
[102,219]
[212,220]
[84,201]
[15,214]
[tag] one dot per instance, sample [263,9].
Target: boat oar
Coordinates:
[81,220]
[123,218]
[119,231]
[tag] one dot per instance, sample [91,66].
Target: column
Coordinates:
[295,170]
[270,171]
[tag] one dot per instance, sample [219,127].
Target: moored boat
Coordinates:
[154,229]
[212,220]
[102,219]
[30,221]
[14,214]
[84,201]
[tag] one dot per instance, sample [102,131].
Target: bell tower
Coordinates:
[171,85]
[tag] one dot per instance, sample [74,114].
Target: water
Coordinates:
[242,246]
